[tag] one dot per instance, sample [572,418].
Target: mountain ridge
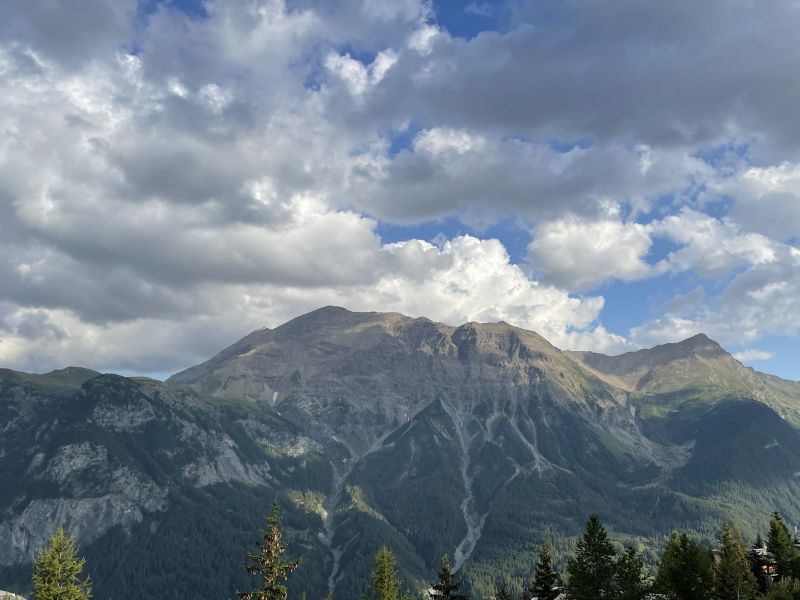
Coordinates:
[475,440]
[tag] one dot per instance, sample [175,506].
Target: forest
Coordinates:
[597,569]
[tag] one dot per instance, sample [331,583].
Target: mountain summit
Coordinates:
[377,428]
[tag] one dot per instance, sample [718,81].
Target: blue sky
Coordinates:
[613,175]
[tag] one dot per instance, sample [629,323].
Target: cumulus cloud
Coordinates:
[713,247]
[170,181]
[760,300]
[465,279]
[580,254]
[766,199]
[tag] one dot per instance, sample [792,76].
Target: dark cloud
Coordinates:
[68,32]
[675,73]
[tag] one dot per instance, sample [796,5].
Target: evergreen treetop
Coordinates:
[779,542]
[268,562]
[385,584]
[591,569]
[686,571]
[546,582]
[57,571]
[629,580]
[733,578]
[447,586]
[502,592]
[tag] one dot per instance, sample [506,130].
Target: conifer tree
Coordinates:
[268,562]
[787,588]
[759,563]
[447,586]
[629,580]
[385,583]
[591,569]
[57,571]
[686,571]
[502,592]
[733,579]
[546,582]
[779,542]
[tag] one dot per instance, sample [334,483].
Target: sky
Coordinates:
[612,174]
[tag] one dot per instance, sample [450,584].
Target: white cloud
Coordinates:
[466,279]
[713,247]
[752,355]
[357,76]
[764,299]
[580,254]
[231,172]
[480,9]
[766,199]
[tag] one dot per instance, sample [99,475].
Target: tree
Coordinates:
[502,592]
[268,562]
[591,569]
[57,571]
[779,542]
[629,576]
[759,561]
[787,588]
[686,571]
[546,582]
[733,579]
[447,586]
[385,583]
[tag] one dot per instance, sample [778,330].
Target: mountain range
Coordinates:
[479,441]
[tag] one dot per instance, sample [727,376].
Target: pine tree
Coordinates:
[546,582]
[779,542]
[502,592]
[759,563]
[268,562]
[686,571]
[57,571]
[591,569]
[733,579]
[786,589]
[629,580]
[385,583]
[447,586]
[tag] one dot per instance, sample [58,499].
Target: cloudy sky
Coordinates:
[612,174]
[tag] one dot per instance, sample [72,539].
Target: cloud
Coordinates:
[455,171]
[170,181]
[479,9]
[712,247]
[752,355]
[357,76]
[761,300]
[466,279]
[766,199]
[658,75]
[581,254]
[60,32]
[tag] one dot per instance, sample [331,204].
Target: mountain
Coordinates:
[377,428]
